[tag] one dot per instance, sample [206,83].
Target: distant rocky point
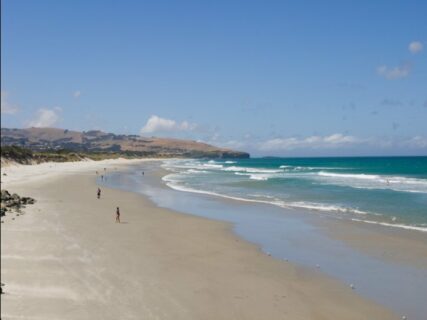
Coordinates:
[43,139]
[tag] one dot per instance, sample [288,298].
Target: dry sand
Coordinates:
[66,258]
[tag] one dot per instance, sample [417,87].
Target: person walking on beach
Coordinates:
[118,215]
[99,193]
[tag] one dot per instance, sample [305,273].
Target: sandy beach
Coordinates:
[66,258]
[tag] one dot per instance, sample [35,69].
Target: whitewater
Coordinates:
[391,191]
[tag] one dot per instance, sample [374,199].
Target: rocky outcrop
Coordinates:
[10,202]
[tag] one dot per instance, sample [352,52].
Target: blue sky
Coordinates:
[270,77]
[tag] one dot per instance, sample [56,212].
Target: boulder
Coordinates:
[27,200]
[13,201]
[5,195]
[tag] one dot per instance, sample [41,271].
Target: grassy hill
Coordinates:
[53,142]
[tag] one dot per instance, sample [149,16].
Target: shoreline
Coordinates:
[348,230]
[333,189]
[378,260]
[83,264]
[288,207]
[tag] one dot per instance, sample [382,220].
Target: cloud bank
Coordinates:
[284,144]
[312,142]
[45,118]
[334,144]
[157,124]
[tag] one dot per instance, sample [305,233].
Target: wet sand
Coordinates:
[391,244]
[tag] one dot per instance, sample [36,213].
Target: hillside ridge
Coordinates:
[42,139]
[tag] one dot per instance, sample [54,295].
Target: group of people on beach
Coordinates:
[98,195]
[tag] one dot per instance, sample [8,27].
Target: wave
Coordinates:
[402,226]
[304,168]
[170,183]
[193,166]
[311,206]
[386,179]
[258,177]
[196,171]
[221,174]
[370,181]
[296,168]
[211,165]
[251,170]
[305,205]
[346,175]
[326,208]
[353,180]
[229,162]
[261,177]
[261,196]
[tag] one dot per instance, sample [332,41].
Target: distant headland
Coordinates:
[54,143]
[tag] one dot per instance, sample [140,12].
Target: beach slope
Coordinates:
[66,258]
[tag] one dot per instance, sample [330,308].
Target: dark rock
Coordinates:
[5,195]
[13,201]
[9,203]
[27,200]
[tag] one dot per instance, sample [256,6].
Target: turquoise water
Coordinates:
[385,190]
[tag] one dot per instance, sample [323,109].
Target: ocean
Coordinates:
[390,191]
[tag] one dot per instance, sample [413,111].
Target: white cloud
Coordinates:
[333,144]
[45,118]
[312,142]
[235,144]
[417,142]
[392,73]
[415,47]
[77,94]
[6,107]
[157,124]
